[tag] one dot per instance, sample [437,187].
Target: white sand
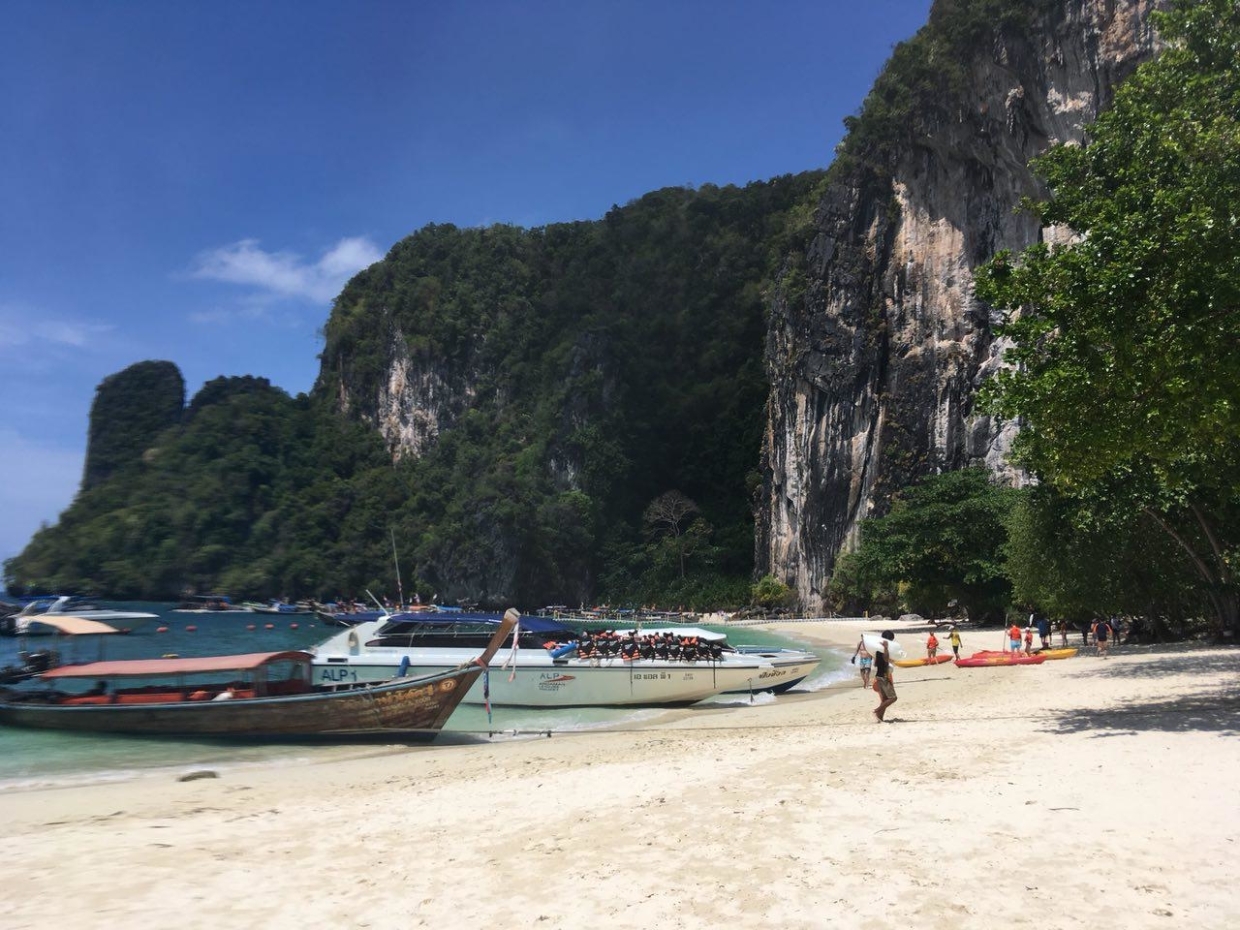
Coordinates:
[1080,793]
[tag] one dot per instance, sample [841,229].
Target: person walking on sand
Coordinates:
[862,657]
[932,647]
[883,684]
[954,639]
[1102,634]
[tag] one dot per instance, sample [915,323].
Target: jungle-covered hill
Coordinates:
[600,367]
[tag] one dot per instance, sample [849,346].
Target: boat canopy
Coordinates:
[436,619]
[142,668]
[72,626]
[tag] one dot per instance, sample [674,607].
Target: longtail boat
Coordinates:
[255,696]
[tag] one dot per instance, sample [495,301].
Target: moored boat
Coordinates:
[32,619]
[209,604]
[544,668]
[789,667]
[253,696]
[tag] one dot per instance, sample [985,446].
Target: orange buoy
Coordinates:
[269,626]
[191,629]
[292,626]
[161,629]
[250,626]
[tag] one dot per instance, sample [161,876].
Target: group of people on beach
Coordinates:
[876,666]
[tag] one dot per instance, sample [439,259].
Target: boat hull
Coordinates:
[540,681]
[415,707]
[789,667]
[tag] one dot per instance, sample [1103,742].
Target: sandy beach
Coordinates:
[1087,792]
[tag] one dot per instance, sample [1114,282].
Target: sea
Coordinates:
[34,758]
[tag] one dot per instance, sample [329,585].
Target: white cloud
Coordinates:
[287,274]
[19,328]
[37,482]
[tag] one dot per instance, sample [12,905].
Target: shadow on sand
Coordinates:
[1213,708]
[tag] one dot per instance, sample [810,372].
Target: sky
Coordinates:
[195,182]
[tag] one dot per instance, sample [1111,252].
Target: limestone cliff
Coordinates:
[876,345]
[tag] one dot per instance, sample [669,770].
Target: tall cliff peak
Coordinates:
[876,344]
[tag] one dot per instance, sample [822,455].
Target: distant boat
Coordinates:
[209,604]
[30,620]
[278,607]
[269,695]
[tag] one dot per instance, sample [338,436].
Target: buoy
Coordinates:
[191,629]
[292,626]
[161,629]
[269,626]
[250,626]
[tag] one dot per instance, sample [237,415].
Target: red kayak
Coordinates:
[987,658]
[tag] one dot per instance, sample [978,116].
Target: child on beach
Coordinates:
[1028,640]
[865,660]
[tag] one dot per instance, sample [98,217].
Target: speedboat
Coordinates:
[29,621]
[789,667]
[546,665]
[209,604]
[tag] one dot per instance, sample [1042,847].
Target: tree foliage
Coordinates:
[942,542]
[1123,370]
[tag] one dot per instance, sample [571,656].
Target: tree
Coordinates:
[942,541]
[1124,370]
[670,519]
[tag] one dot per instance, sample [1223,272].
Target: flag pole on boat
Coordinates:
[400,592]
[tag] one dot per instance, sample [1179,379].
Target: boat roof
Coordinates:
[464,618]
[135,668]
[72,626]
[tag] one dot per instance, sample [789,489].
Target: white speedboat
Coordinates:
[547,668]
[29,620]
[789,667]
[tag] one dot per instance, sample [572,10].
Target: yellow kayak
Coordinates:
[914,663]
[1058,653]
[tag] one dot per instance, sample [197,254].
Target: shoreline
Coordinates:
[1076,792]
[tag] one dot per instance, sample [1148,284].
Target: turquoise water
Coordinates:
[33,757]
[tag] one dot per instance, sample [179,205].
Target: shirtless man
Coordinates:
[862,657]
[1102,634]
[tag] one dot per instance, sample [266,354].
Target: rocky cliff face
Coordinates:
[874,359]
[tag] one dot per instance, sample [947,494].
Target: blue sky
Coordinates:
[196,181]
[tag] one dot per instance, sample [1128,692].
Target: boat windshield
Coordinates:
[462,631]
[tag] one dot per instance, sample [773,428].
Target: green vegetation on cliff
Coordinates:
[589,370]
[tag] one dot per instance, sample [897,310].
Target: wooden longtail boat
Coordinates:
[270,697]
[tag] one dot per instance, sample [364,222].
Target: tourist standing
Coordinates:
[1102,635]
[862,656]
[954,639]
